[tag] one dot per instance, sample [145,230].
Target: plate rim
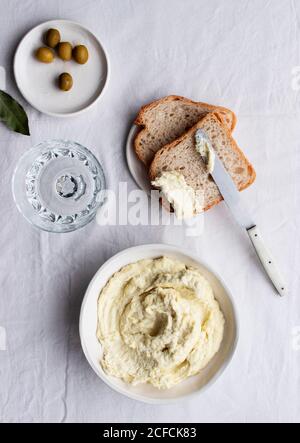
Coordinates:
[66,114]
[133,131]
[140,397]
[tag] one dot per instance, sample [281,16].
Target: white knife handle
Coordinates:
[267,260]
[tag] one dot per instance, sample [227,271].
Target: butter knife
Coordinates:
[233,200]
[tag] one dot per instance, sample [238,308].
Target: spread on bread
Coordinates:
[185,201]
[204,147]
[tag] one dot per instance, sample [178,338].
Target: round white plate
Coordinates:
[38,81]
[146,392]
[136,167]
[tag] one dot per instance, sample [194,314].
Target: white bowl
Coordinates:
[38,81]
[146,392]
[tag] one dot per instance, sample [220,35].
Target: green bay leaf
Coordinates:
[12,114]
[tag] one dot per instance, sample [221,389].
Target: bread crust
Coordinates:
[140,119]
[172,145]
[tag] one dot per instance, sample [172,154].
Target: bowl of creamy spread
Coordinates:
[156,324]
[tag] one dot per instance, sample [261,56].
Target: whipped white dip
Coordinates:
[158,323]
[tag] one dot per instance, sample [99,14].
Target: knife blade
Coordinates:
[234,202]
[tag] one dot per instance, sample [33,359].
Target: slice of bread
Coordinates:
[182,156]
[165,120]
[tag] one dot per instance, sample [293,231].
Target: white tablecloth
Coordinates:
[236,53]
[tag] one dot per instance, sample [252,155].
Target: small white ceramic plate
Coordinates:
[146,392]
[135,166]
[38,81]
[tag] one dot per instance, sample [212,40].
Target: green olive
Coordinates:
[65,81]
[64,51]
[80,54]
[44,55]
[52,37]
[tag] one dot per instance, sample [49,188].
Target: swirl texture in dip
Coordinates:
[158,323]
